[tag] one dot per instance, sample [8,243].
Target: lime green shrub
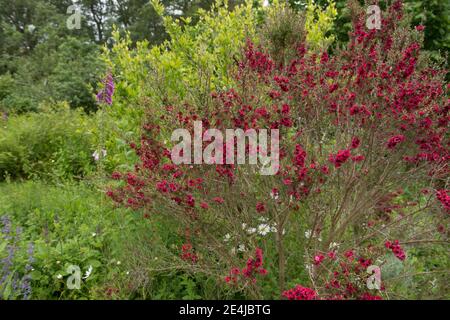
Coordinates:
[319,24]
[198,58]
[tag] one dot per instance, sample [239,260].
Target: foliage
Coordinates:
[56,143]
[363,118]
[167,73]
[319,24]
[434,15]
[68,225]
[197,59]
[43,57]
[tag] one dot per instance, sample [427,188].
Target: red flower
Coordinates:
[187,253]
[190,200]
[285,109]
[300,293]
[219,200]
[299,156]
[355,143]
[395,140]
[349,254]
[162,186]
[253,267]
[420,27]
[396,249]
[287,122]
[368,296]
[318,259]
[260,207]
[358,158]
[116,175]
[444,198]
[340,158]
[204,205]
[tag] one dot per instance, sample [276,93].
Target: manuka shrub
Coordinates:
[362,176]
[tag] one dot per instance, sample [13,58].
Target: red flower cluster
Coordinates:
[300,293]
[299,156]
[368,296]
[253,267]
[318,259]
[260,207]
[187,253]
[396,249]
[355,142]
[257,60]
[395,140]
[340,158]
[444,198]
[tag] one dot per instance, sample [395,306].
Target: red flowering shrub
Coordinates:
[376,111]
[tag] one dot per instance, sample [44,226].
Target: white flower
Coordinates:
[227,237]
[241,248]
[118,262]
[58,262]
[251,230]
[263,229]
[59,276]
[273,229]
[88,272]
[262,219]
[274,196]
[244,225]
[128,272]
[94,234]
[333,245]
[308,234]
[31,28]
[96,154]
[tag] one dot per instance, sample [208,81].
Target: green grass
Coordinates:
[75,224]
[70,224]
